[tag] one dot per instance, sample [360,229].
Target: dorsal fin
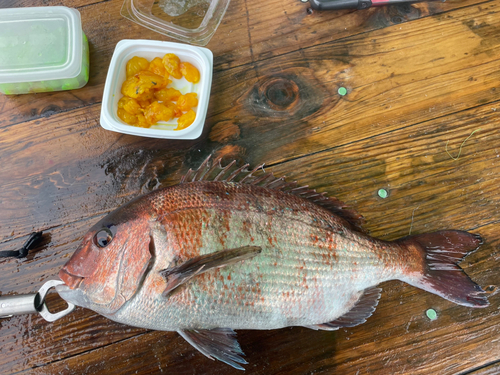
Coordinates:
[214,171]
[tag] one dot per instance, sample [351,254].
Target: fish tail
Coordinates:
[441,275]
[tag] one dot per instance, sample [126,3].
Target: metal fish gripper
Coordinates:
[33,303]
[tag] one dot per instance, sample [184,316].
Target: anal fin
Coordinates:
[218,343]
[179,275]
[362,310]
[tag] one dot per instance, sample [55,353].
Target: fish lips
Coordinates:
[84,263]
[72,281]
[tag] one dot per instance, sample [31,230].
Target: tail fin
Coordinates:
[442,276]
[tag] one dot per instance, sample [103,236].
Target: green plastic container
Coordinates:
[42,49]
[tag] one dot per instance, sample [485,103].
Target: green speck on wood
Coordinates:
[382,193]
[342,91]
[431,314]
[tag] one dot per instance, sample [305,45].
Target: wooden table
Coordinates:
[420,80]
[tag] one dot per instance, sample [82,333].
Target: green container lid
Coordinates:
[42,49]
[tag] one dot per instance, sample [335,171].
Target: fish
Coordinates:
[229,248]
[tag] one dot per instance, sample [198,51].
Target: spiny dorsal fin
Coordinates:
[214,171]
[362,310]
[178,275]
[219,343]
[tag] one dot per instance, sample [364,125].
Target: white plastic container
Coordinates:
[42,49]
[201,58]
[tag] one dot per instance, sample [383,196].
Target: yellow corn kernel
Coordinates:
[188,101]
[156,67]
[126,117]
[135,65]
[158,112]
[172,64]
[190,72]
[167,94]
[130,105]
[185,120]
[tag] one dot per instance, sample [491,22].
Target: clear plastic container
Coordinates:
[201,58]
[190,21]
[42,49]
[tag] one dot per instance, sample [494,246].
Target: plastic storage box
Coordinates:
[190,21]
[42,49]
[201,58]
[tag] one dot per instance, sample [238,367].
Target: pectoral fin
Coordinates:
[218,343]
[179,275]
[362,310]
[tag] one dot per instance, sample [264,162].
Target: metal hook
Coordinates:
[33,303]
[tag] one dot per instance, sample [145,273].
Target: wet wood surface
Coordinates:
[420,119]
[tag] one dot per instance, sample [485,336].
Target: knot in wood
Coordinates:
[281,94]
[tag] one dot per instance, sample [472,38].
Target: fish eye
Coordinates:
[103,237]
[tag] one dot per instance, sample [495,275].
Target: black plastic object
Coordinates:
[33,240]
[340,4]
[353,4]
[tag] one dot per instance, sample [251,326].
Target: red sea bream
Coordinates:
[240,251]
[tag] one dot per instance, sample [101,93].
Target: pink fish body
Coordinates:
[206,257]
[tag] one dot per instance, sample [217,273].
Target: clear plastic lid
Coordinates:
[39,44]
[191,21]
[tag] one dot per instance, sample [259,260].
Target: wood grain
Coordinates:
[246,35]
[420,80]
[491,369]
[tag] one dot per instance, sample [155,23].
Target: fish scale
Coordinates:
[226,249]
[302,269]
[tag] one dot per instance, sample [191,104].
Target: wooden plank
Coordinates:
[423,182]
[277,102]
[247,124]
[83,328]
[291,29]
[397,339]
[441,55]
[93,162]
[21,346]
[487,370]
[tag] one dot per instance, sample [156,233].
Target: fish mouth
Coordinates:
[72,281]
